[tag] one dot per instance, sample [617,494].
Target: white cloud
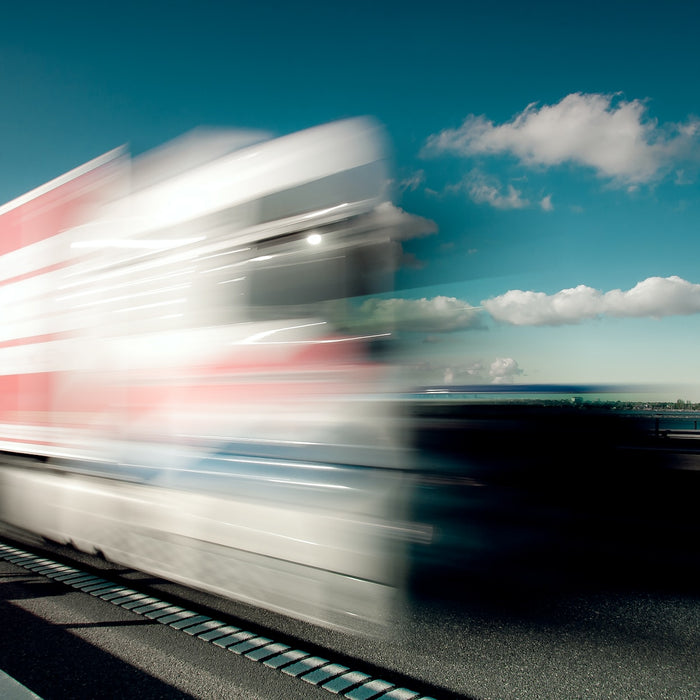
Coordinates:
[488,190]
[604,132]
[474,372]
[483,193]
[504,370]
[403,224]
[437,315]
[654,297]
[413,182]
[546,203]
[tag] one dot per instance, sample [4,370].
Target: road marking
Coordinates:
[316,670]
[10,689]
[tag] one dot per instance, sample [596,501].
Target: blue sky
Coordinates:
[556,148]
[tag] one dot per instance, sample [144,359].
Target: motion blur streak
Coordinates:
[179,359]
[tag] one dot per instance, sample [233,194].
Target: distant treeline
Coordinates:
[679,405]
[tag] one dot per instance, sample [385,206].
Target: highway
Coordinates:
[559,573]
[590,640]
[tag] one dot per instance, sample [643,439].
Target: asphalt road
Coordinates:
[61,643]
[591,592]
[584,641]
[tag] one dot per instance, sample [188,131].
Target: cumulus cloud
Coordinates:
[653,297]
[488,189]
[504,370]
[483,189]
[437,315]
[403,224]
[604,132]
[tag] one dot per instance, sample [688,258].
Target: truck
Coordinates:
[187,386]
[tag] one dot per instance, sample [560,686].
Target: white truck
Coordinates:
[184,386]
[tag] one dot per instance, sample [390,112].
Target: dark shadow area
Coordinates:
[33,586]
[530,502]
[114,623]
[60,666]
[56,665]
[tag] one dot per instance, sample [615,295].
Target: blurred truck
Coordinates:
[184,385]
